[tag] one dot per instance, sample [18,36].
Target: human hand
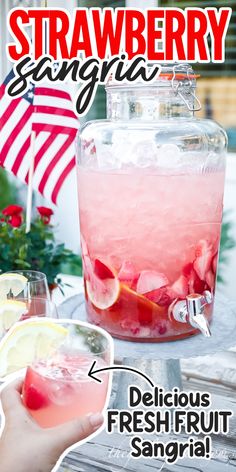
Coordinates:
[25,446]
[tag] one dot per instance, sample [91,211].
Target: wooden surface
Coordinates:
[215,374]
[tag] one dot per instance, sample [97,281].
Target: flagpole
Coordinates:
[30,183]
[44,4]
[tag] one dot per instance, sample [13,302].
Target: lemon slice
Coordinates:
[15,283]
[29,340]
[103,294]
[102,286]
[10,312]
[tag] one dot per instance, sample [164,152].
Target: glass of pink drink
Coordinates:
[59,389]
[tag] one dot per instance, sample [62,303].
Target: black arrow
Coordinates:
[92,372]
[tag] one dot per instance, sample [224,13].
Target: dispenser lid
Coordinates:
[168,72]
[178,76]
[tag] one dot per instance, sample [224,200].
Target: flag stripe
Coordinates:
[54,129]
[8,112]
[58,169]
[14,133]
[40,119]
[47,157]
[47,110]
[20,156]
[61,179]
[2,90]
[53,162]
[43,149]
[52,93]
[15,117]
[21,137]
[56,102]
[54,111]
[24,168]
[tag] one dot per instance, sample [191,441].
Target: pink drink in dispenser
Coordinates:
[151,182]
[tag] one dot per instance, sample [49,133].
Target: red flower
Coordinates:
[13,214]
[12,210]
[15,221]
[45,214]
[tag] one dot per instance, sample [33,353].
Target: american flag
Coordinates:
[46,109]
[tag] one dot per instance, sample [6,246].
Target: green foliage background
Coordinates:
[7,190]
[37,250]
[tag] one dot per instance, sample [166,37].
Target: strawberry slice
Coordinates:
[160,296]
[84,247]
[160,328]
[151,280]
[196,285]
[87,263]
[215,263]
[180,287]
[102,271]
[130,325]
[203,259]
[34,399]
[187,270]
[128,274]
[210,279]
[87,267]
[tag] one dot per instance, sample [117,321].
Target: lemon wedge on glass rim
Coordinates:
[11,311]
[29,340]
[12,282]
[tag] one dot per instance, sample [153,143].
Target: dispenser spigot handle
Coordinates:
[191,311]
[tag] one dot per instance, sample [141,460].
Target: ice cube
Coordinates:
[144,153]
[121,148]
[144,332]
[61,393]
[105,159]
[169,156]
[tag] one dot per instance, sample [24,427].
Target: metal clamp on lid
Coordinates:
[183,83]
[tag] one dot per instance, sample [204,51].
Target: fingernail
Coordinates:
[96,420]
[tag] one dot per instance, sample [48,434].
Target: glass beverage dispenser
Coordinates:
[151,182]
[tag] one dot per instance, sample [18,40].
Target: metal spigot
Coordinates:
[191,311]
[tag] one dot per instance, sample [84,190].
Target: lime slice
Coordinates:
[11,282]
[27,341]
[11,311]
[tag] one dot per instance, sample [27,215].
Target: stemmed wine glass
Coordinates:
[39,307]
[20,309]
[31,300]
[37,285]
